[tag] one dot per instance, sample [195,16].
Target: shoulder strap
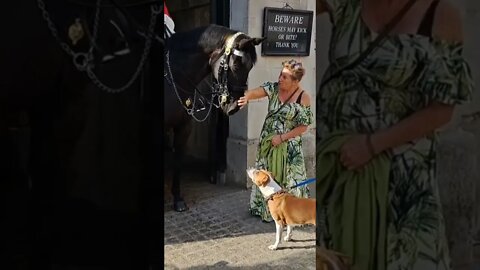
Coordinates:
[270,113]
[299,98]
[395,20]
[288,99]
[426,25]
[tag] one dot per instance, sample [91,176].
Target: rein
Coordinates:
[168,75]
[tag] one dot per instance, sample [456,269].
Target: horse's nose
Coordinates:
[232,108]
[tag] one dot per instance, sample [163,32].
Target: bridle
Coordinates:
[220,81]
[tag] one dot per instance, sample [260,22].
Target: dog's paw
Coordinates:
[272,247]
[287,238]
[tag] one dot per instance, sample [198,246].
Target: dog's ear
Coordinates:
[269,173]
[263,178]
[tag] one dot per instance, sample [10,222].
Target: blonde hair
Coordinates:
[295,67]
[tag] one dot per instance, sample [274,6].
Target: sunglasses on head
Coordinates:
[293,63]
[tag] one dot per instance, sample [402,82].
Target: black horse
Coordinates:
[225,54]
[77,86]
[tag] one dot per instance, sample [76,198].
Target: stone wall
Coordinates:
[188,14]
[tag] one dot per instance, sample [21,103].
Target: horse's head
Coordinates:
[231,66]
[229,55]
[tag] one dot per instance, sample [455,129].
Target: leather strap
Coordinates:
[426,25]
[277,110]
[276,193]
[299,99]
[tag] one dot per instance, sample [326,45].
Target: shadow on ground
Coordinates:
[287,263]
[194,184]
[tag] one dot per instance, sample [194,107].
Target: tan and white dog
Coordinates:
[285,208]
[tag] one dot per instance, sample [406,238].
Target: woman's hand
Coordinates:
[276,140]
[355,153]
[242,101]
[252,94]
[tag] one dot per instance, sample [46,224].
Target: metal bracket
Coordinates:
[287,6]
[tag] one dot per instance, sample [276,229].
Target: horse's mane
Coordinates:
[205,38]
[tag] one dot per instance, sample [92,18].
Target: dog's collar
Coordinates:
[276,193]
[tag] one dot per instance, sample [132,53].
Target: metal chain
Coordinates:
[81,60]
[96,22]
[84,61]
[191,111]
[53,29]
[146,52]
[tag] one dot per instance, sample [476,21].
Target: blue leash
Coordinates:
[308,181]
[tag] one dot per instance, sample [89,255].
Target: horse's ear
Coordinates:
[257,41]
[253,41]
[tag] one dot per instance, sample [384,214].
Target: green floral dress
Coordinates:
[287,118]
[403,75]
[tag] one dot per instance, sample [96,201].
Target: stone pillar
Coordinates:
[237,144]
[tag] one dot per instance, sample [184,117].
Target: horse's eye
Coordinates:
[235,66]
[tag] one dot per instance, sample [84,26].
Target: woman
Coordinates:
[393,101]
[288,117]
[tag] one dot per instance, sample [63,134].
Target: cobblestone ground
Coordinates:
[218,233]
